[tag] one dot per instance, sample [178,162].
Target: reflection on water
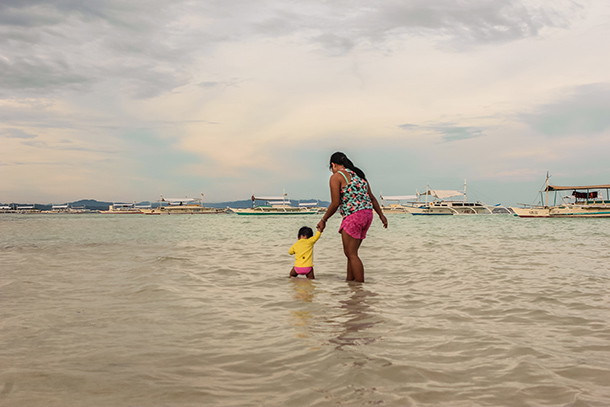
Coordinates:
[303,289]
[358,316]
[301,319]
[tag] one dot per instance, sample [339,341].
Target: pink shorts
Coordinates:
[302,270]
[357,224]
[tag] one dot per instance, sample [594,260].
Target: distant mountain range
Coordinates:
[102,206]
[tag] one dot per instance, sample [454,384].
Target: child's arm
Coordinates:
[291,250]
[315,237]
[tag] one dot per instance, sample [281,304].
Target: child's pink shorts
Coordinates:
[302,270]
[357,224]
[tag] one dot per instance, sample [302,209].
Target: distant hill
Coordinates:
[91,204]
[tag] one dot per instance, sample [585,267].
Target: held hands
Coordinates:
[321,225]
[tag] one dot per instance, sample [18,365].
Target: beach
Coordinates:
[102,310]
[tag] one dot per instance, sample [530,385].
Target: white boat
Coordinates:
[122,209]
[582,201]
[442,205]
[275,205]
[181,206]
[67,209]
[397,204]
[27,209]
[7,209]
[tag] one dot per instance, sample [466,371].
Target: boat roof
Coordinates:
[442,194]
[180,199]
[566,188]
[398,197]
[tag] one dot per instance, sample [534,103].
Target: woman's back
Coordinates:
[355,194]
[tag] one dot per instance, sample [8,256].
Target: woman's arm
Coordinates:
[377,208]
[335,198]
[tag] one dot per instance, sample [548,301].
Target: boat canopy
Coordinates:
[308,204]
[178,200]
[442,194]
[398,197]
[59,207]
[558,188]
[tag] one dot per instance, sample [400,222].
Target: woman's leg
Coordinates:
[355,268]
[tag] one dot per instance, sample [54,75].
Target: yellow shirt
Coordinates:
[303,251]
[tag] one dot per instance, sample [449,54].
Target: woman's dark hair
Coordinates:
[305,231]
[341,159]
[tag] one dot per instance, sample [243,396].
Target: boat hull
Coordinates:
[394,209]
[449,208]
[429,212]
[580,212]
[565,211]
[119,212]
[272,212]
[532,212]
[184,210]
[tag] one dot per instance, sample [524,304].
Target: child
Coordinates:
[303,253]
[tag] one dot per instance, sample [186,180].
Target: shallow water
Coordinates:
[103,310]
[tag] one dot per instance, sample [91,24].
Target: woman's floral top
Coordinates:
[355,195]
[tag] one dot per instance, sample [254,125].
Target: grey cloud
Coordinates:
[220,84]
[474,21]
[143,82]
[457,133]
[67,45]
[340,25]
[149,47]
[46,13]
[17,133]
[62,145]
[35,75]
[584,110]
[335,43]
[449,132]
[35,143]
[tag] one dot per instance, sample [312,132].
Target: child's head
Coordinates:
[305,232]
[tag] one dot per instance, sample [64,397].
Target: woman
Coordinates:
[351,192]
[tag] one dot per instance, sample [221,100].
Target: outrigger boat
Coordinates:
[182,206]
[585,201]
[67,209]
[7,209]
[277,206]
[442,205]
[122,209]
[396,204]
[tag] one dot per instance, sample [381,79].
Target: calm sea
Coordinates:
[133,310]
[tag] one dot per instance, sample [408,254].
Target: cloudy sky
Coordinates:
[126,100]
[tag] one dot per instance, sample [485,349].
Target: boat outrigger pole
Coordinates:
[464,189]
[547,188]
